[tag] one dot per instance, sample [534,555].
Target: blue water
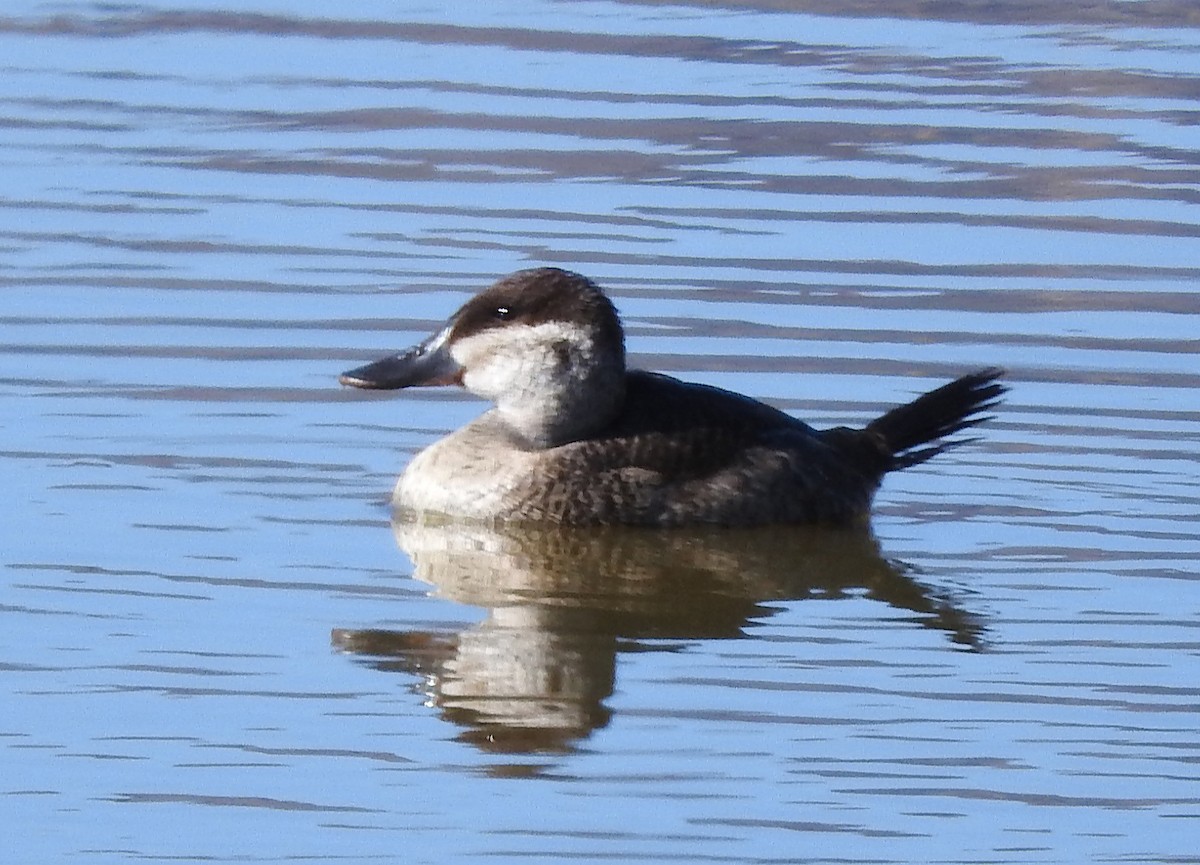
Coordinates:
[215,648]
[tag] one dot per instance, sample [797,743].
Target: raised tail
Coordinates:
[915,432]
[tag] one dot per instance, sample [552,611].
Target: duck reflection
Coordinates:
[563,602]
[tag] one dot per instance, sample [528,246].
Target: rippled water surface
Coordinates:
[216,647]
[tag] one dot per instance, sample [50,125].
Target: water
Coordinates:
[215,649]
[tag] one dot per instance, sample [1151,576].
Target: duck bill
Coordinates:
[423,365]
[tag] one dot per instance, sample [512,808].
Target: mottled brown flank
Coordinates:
[540,295]
[684,453]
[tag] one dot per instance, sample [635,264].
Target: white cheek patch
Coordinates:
[520,362]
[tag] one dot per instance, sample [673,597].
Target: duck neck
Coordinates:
[578,409]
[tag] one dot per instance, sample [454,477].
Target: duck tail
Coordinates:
[917,431]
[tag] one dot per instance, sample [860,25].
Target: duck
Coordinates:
[576,438]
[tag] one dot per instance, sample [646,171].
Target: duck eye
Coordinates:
[502,313]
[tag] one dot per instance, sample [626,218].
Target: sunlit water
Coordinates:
[215,649]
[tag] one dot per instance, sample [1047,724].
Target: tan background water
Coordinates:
[213,647]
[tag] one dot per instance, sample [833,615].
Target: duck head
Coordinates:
[544,345]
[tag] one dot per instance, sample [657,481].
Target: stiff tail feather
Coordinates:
[917,431]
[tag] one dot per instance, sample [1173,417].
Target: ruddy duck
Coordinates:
[575,438]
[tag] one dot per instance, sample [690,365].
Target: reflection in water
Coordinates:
[562,602]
